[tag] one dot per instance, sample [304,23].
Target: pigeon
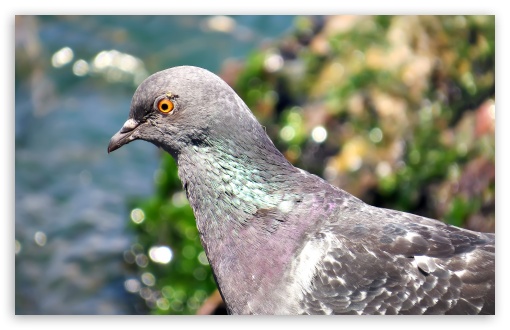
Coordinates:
[283,241]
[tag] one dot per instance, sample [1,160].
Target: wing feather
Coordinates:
[391,262]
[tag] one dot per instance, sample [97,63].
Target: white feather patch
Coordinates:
[285,206]
[310,257]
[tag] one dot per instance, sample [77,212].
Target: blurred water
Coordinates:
[71,211]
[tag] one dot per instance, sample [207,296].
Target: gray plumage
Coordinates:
[283,241]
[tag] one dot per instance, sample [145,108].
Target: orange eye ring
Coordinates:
[165,105]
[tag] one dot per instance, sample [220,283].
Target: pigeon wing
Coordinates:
[400,264]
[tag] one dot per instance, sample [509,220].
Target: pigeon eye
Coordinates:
[165,105]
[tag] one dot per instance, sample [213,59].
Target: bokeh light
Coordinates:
[81,68]
[17,246]
[319,134]
[375,135]
[40,238]
[137,215]
[287,133]
[223,24]
[132,285]
[141,260]
[179,199]
[117,66]
[160,254]
[148,279]
[62,57]
[273,62]
[202,258]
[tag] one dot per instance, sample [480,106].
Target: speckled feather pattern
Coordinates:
[283,241]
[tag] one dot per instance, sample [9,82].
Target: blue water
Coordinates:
[71,213]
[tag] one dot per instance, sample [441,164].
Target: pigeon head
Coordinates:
[183,107]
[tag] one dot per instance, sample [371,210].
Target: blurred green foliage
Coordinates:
[407,104]
[180,286]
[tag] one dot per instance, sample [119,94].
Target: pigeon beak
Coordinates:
[123,136]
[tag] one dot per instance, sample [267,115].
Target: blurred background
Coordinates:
[397,110]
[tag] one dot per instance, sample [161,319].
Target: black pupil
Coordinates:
[164,106]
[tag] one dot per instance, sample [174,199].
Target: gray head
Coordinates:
[185,106]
